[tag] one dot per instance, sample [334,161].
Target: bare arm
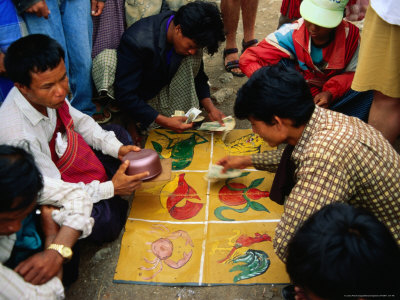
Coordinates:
[43,266]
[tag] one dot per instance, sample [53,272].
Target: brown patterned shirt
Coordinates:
[338,159]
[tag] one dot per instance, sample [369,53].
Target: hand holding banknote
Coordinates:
[215,173]
[235,162]
[229,124]
[177,124]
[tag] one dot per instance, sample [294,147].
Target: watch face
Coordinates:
[67,252]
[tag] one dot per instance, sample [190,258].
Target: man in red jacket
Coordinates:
[324,48]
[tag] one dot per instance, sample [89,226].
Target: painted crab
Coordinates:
[163,249]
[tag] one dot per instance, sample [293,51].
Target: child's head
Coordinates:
[20,183]
[342,250]
[322,17]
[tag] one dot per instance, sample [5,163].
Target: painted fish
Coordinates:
[181,151]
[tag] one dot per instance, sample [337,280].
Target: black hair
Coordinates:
[342,250]
[202,22]
[20,179]
[275,90]
[33,53]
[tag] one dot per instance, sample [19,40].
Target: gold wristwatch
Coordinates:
[64,251]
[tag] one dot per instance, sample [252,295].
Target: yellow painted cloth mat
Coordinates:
[188,231]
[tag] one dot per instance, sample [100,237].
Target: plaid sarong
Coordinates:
[180,94]
[108,27]
[103,71]
[78,163]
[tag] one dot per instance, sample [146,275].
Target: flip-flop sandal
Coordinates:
[102,116]
[234,64]
[248,44]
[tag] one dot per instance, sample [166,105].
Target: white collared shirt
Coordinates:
[13,286]
[20,121]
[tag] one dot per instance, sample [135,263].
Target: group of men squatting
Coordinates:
[54,157]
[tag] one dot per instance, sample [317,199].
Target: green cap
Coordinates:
[324,13]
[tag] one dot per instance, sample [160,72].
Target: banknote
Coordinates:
[229,123]
[192,114]
[178,113]
[215,173]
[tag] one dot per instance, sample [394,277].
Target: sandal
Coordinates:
[102,116]
[234,64]
[248,44]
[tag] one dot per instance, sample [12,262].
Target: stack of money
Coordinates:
[229,123]
[215,173]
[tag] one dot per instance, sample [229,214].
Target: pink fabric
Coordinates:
[291,9]
[79,163]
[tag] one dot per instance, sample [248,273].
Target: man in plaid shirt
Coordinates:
[333,157]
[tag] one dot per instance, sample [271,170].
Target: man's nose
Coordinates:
[61,89]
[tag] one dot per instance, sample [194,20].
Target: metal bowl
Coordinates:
[142,161]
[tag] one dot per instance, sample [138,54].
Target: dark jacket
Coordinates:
[142,69]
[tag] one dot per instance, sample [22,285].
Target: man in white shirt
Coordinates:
[59,136]
[20,183]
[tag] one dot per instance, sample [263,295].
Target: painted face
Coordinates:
[183,45]
[11,222]
[319,35]
[274,135]
[47,89]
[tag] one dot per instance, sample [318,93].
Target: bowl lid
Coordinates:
[142,154]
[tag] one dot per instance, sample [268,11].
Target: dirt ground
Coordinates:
[98,263]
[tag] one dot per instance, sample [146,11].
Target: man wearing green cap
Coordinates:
[324,48]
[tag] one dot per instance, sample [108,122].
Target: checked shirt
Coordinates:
[338,159]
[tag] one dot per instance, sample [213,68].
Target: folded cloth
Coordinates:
[61,144]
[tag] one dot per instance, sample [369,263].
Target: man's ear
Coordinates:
[282,123]
[277,121]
